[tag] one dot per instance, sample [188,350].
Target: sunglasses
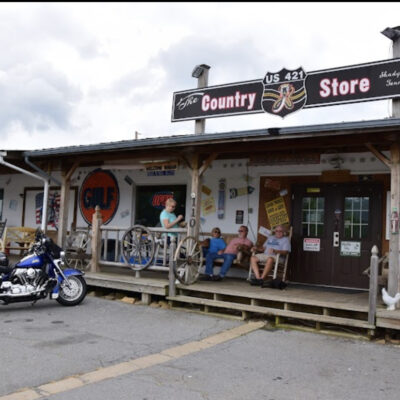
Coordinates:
[242,230]
[278,230]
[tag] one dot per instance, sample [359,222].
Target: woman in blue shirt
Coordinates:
[168,218]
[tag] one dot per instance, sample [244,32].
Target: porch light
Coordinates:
[392,33]
[198,70]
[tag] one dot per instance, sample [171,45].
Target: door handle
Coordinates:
[335,239]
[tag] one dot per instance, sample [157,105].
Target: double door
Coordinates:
[334,229]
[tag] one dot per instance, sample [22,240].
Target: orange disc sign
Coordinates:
[99,188]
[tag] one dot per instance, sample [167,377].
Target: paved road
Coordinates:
[48,342]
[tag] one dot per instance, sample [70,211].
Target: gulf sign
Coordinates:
[100,188]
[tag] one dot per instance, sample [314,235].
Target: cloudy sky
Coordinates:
[83,73]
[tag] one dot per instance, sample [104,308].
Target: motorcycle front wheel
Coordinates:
[74,293]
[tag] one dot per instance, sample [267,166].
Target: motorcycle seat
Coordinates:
[6,269]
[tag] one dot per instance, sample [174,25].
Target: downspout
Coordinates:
[46,187]
[41,172]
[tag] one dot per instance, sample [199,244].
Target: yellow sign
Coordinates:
[276,212]
[208,206]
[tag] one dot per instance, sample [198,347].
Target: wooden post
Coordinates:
[171,275]
[200,124]
[393,276]
[373,285]
[64,208]
[195,195]
[96,240]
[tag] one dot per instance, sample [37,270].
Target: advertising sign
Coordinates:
[286,91]
[276,212]
[99,188]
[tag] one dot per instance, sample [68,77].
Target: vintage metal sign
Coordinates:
[283,92]
[100,188]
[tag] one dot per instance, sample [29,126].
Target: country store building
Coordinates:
[337,185]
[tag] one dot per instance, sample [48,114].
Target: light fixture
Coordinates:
[199,70]
[392,33]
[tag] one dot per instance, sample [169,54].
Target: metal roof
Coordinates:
[387,124]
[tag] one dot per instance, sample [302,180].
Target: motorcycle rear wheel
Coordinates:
[73,295]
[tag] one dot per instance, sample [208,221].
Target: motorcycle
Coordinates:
[40,274]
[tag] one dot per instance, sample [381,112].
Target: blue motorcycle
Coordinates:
[40,274]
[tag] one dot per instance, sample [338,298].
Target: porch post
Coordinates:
[64,203]
[96,240]
[394,275]
[195,199]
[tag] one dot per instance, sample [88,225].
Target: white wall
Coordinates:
[234,171]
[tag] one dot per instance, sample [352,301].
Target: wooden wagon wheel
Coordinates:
[76,253]
[188,260]
[138,247]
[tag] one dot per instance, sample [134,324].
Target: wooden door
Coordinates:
[334,229]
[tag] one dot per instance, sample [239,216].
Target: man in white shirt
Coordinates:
[274,245]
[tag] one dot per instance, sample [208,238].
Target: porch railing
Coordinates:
[111,255]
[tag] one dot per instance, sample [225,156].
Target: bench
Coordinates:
[242,259]
[17,238]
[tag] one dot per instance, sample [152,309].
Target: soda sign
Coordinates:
[100,188]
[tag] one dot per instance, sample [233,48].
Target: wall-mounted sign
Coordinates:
[311,244]
[99,188]
[276,212]
[159,198]
[208,206]
[352,249]
[285,91]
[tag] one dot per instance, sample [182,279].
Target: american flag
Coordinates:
[53,210]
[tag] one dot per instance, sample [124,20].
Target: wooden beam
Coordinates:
[394,273]
[207,163]
[72,170]
[378,154]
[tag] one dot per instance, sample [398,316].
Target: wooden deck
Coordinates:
[315,308]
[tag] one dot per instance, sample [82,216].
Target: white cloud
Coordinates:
[78,73]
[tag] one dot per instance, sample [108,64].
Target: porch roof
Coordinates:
[267,134]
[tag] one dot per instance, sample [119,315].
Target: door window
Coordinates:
[356,217]
[313,215]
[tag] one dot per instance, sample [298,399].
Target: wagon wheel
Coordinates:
[77,255]
[138,247]
[188,260]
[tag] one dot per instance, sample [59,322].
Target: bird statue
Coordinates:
[389,300]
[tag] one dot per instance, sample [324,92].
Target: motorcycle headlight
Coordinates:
[62,255]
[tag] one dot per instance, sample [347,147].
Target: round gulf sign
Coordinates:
[100,188]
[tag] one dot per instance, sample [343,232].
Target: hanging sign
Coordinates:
[276,212]
[286,91]
[99,188]
[208,206]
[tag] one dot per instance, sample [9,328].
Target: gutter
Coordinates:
[41,172]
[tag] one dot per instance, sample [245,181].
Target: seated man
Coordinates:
[215,244]
[274,245]
[229,254]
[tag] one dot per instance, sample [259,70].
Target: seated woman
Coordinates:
[215,244]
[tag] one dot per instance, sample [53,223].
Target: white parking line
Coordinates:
[76,381]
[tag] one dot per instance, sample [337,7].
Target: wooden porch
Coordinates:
[321,309]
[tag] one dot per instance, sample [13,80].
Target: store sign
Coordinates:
[286,91]
[159,198]
[276,212]
[99,188]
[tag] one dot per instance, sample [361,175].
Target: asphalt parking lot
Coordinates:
[104,349]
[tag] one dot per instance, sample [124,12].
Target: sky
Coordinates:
[87,73]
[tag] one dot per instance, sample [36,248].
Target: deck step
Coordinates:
[273,311]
